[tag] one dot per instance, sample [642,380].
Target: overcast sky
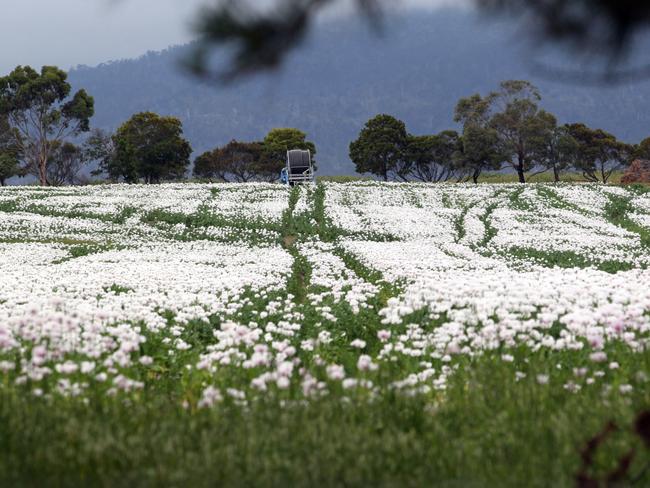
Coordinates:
[67,33]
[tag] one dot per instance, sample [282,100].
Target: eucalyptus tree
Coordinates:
[599,153]
[431,158]
[235,162]
[478,152]
[99,147]
[519,123]
[556,151]
[479,148]
[9,153]
[66,162]
[42,113]
[642,150]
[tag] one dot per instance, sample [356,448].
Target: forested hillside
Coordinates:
[345,75]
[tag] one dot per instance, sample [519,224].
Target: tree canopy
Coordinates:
[9,167]
[479,149]
[9,153]
[505,126]
[556,150]
[431,157]
[520,123]
[642,150]
[599,153]
[248,161]
[65,163]
[513,113]
[42,114]
[149,147]
[235,162]
[380,147]
[280,140]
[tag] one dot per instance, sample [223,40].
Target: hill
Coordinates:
[416,69]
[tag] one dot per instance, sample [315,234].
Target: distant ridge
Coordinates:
[416,71]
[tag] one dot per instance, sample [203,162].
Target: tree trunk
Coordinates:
[556,174]
[2,182]
[590,176]
[42,170]
[522,177]
[521,164]
[520,172]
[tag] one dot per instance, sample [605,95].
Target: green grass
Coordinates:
[343,179]
[117,289]
[547,177]
[555,201]
[487,430]
[491,177]
[617,211]
[195,225]
[490,231]
[294,229]
[517,202]
[565,259]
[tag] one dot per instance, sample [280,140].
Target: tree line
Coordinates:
[241,162]
[42,126]
[505,129]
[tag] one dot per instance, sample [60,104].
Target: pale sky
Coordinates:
[67,33]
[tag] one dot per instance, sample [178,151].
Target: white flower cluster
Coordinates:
[641,214]
[24,226]
[480,297]
[333,279]
[99,306]
[105,287]
[253,201]
[111,199]
[399,210]
[543,227]
[81,284]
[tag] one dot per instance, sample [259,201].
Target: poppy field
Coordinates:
[361,334]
